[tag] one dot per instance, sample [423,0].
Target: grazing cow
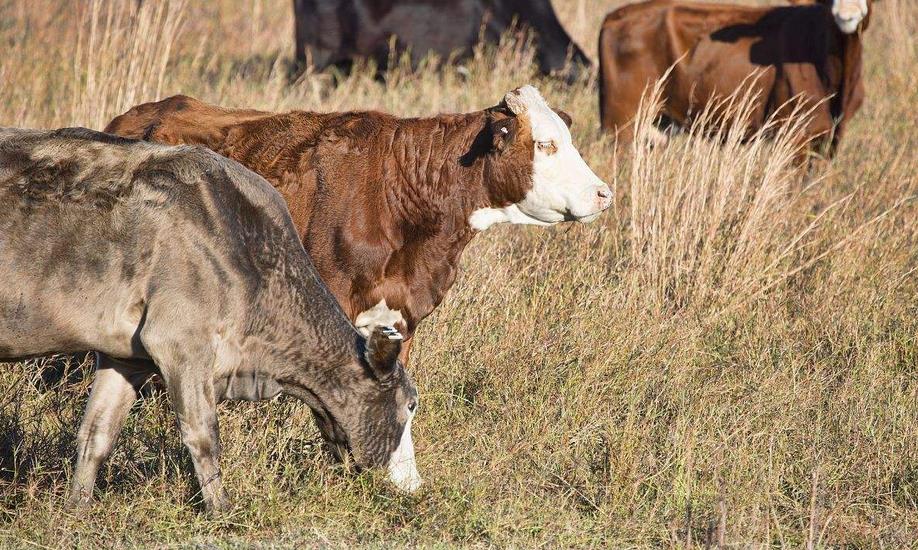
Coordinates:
[176,261]
[384,205]
[334,32]
[812,51]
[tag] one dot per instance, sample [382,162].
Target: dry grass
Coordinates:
[731,356]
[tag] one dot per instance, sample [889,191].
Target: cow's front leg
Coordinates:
[113,392]
[196,410]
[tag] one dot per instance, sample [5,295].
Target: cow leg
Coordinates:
[820,131]
[113,392]
[195,408]
[816,137]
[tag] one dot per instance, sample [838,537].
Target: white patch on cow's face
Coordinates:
[377,316]
[849,14]
[563,186]
[403,470]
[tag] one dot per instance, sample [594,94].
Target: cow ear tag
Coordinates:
[392,334]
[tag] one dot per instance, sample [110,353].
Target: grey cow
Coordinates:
[176,261]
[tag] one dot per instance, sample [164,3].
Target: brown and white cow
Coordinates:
[810,51]
[179,262]
[385,205]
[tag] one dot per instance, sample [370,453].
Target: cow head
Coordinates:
[849,14]
[373,420]
[534,173]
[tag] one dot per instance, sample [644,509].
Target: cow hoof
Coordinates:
[219,507]
[217,512]
[79,502]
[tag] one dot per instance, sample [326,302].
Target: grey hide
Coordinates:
[176,261]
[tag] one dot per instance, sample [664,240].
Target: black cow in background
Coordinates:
[334,32]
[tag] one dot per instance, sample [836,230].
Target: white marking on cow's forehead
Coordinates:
[546,124]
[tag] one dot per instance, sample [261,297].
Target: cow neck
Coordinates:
[308,332]
[440,167]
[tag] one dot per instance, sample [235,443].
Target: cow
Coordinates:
[805,56]
[178,262]
[386,205]
[335,32]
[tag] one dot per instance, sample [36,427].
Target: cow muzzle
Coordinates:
[403,469]
[602,201]
[848,14]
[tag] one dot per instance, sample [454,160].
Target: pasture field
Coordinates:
[729,356]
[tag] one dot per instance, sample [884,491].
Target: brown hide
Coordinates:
[798,52]
[381,203]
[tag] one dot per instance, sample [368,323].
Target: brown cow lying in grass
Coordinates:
[386,205]
[812,51]
[177,261]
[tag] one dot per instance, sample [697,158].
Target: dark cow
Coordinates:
[334,32]
[177,261]
[385,205]
[811,50]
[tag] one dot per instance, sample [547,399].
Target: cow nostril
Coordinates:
[604,193]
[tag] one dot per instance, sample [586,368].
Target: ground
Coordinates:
[729,356]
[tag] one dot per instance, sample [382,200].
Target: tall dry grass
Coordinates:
[729,357]
[122,52]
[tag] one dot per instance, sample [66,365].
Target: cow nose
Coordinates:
[604,197]
[848,24]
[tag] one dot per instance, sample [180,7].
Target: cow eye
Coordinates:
[412,406]
[548,147]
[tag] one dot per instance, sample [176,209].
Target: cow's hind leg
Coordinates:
[114,390]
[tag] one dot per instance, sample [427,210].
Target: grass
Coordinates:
[728,357]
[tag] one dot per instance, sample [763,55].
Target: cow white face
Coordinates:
[563,187]
[848,14]
[403,471]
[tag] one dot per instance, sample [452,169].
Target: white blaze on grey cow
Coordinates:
[403,469]
[563,186]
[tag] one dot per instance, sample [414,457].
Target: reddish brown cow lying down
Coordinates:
[812,49]
[385,205]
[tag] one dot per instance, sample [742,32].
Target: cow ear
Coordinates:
[565,117]
[503,132]
[383,348]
